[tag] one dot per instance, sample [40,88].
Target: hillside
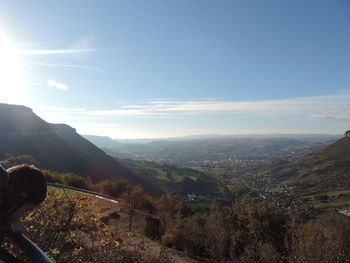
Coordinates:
[186,184]
[58,147]
[325,170]
[339,150]
[328,168]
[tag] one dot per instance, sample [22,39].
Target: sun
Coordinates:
[11,90]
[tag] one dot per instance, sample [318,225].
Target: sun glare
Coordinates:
[10,72]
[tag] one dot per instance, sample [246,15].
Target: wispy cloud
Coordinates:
[74,66]
[54,51]
[121,113]
[338,115]
[78,50]
[49,108]
[327,107]
[214,116]
[333,108]
[81,46]
[53,83]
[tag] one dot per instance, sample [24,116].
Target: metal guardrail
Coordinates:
[79,190]
[33,253]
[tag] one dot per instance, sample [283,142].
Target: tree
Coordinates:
[132,201]
[113,187]
[170,214]
[325,239]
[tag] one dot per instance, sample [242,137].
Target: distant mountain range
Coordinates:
[192,149]
[58,147]
[106,139]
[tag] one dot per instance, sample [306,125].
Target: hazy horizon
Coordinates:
[222,135]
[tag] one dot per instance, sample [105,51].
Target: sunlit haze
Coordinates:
[152,69]
[10,72]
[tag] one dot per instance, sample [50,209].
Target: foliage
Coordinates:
[132,200]
[242,232]
[113,187]
[64,228]
[153,228]
[170,213]
[326,239]
[70,179]
[251,231]
[245,231]
[177,180]
[16,160]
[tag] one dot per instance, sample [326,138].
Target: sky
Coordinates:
[162,68]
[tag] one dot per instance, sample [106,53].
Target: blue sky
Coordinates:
[158,68]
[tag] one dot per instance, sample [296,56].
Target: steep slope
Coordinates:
[327,169]
[57,147]
[340,150]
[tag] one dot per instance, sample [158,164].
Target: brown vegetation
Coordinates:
[245,231]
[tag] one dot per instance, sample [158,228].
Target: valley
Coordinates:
[177,198]
[294,170]
[215,150]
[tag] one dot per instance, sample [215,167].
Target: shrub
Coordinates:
[153,228]
[112,187]
[326,239]
[246,231]
[70,179]
[64,227]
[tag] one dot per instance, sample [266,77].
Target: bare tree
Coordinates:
[132,201]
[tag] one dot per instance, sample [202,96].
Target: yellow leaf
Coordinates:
[55,251]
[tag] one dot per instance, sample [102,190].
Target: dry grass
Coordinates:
[107,211]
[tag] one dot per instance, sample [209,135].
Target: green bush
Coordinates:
[69,179]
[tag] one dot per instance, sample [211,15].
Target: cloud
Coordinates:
[58,85]
[290,106]
[322,117]
[55,51]
[217,115]
[74,66]
[143,119]
[124,113]
[327,107]
[49,108]
[82,46]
